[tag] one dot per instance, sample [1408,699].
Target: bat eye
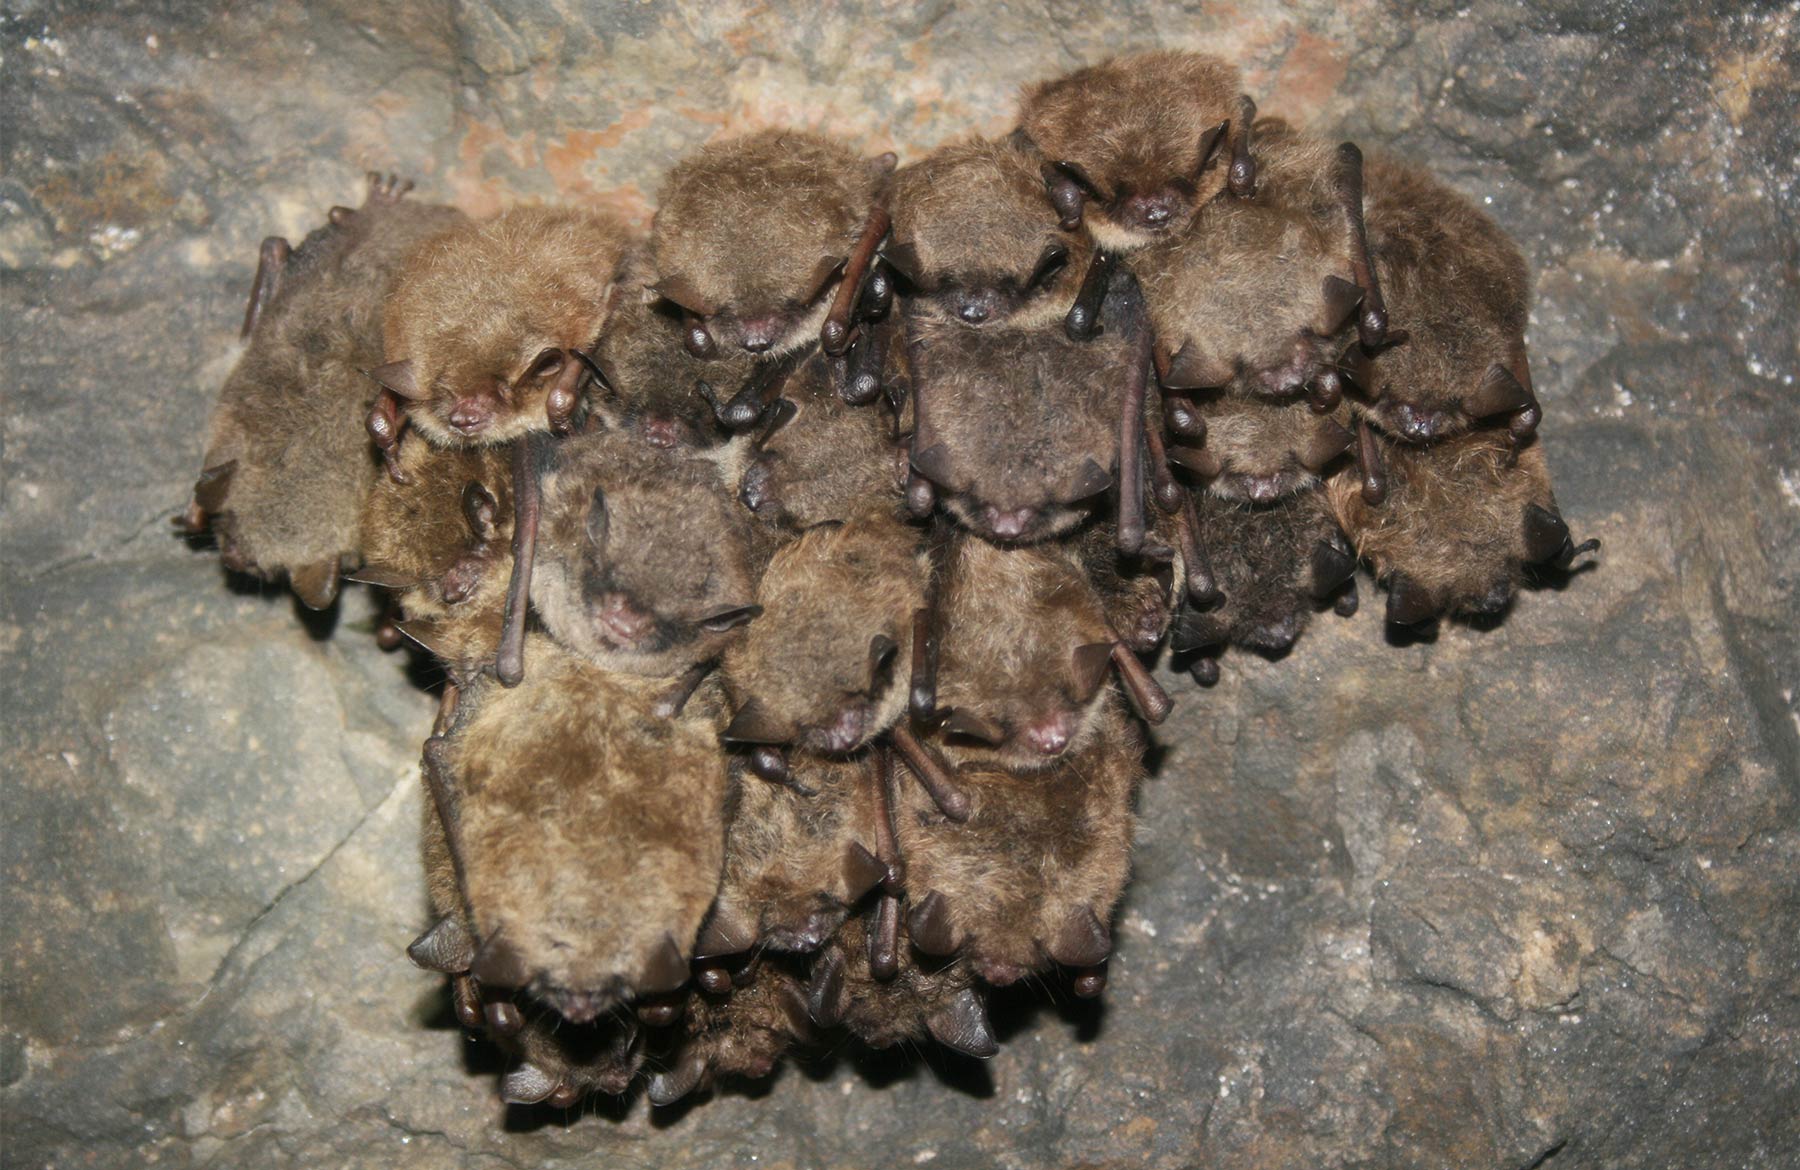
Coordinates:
[728,619]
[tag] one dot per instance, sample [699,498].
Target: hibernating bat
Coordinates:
[922,997]
[1461,520]
[287,461]
[742,1034]
[1261,450]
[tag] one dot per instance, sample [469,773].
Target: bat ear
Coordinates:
[1090,480]
[935,464]
[1329,440]
[753,726]
[681,291]
[1546,534]
[969,725]
[214,482]
[822,274]
[1210,140]
[597,522]
[1090,664]
[962,1025]
[1068,188]
[883,164]
[1242,176]
[1333,563]
[382,578]
[903,258]
[481,510]
[1197,460]
[1191,368]
[781,412]
[316,584]
[730,619]
[881,659]
[399,377]
[1052,261]
[1341,298]
[1499,393]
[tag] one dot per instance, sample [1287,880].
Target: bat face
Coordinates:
[740,1034]
[1018,690]
[819,459]
[645,562]
[1259,451]
[287,461]
[604,899]
[484,319]
[923,997]
[1257,296]
[1038,865]
[1135,144]
[976,242]
[1462,291]
[1460,521]
[1138,594]
[1017,430]
[751,235]
[826,665]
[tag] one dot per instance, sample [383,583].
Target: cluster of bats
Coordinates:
[781,562]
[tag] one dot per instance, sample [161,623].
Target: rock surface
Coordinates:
[1512,897]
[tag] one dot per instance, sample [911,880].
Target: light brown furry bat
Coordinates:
[1136,144]
[1275,563]
[921,997]
[584,828]
[1260,450]
[1035,871]
[1257,296]
[484,323]
[1024,649]
[647,565]
[439,536]
[287,461]
[741,1035]
[1461,290]
[1461,520]
[764,241]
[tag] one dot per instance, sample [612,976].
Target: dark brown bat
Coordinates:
[1261,450]
[764,241]
[483,326]
[1024,650]
[740,1035]
[1138,594]
[586,830]
[647,564]
[1257,296]
[1275,563]
[1035,871]
[560,1063]
[1459,286]
[1136,144]
[921,996]
[287,462]
[1460,521]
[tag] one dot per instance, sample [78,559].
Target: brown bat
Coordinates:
[1463,292]
[740,1035]
[825,668]
[1257,296]
[1459,523]
[1275,563]
[485,322]
[561,1063]
[585,829]
[1259,450]
[764,241]
[287,462]
[920,997]
[1035,871]
[647,565]
[1137,144]
[1138,594]
[1025,647]
[439,536]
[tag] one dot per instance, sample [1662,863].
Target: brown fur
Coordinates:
[973,222]
[1010,622]
[1453,520]
[475,307]
[805,661]
[1459,287]
[1134,125]
[417,530]
[785,877]
[896,1011]
[744,1033]
[591,829]
[1039,848]
[1138,594]
[678,552]
[291,412]
[743,225]
[1236,301]
[1262,557]
[1261,444]
[601,1057]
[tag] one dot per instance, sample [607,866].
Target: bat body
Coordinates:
[1461,520]
[738,1035]
[1260,450]
[287,461]
[1034,872]
[1138,594]
[922,997]
[647,565]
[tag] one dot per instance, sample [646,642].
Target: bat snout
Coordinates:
[1154,212]
[973,308]
[621,622]
[470,416]
[1009,525]
[1051,735]
[758,334]
[1421,426]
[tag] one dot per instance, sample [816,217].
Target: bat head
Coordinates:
[817,459]
[825,668]
[751,236]
[1134,145]
[1258,452]
[975,242]
[483,320]
[644,559]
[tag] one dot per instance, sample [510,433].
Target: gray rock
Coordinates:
[1516,896]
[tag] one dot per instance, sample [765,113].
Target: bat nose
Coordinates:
[1050,737]
[1010,524]
[846,730]
[757,335]
[976,308]
[1421,426]
[468,416]
[624,621]
[1263,489]
[1152,211]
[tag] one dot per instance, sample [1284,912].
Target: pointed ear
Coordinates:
[1499,393]
[1197,460]
[1210,140]
[382,578]
[781,413]
[597,522]
[730,619]
[822,274]
[904,259]
[681,291]
[1191,368]
[753,725]
[1090,664]
[934,463]
[481,510]
[881,659]
[1050,262]
[1090,480]
[883,164]
[1328,441]
[399,377]
[1340,298]
[969,725]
